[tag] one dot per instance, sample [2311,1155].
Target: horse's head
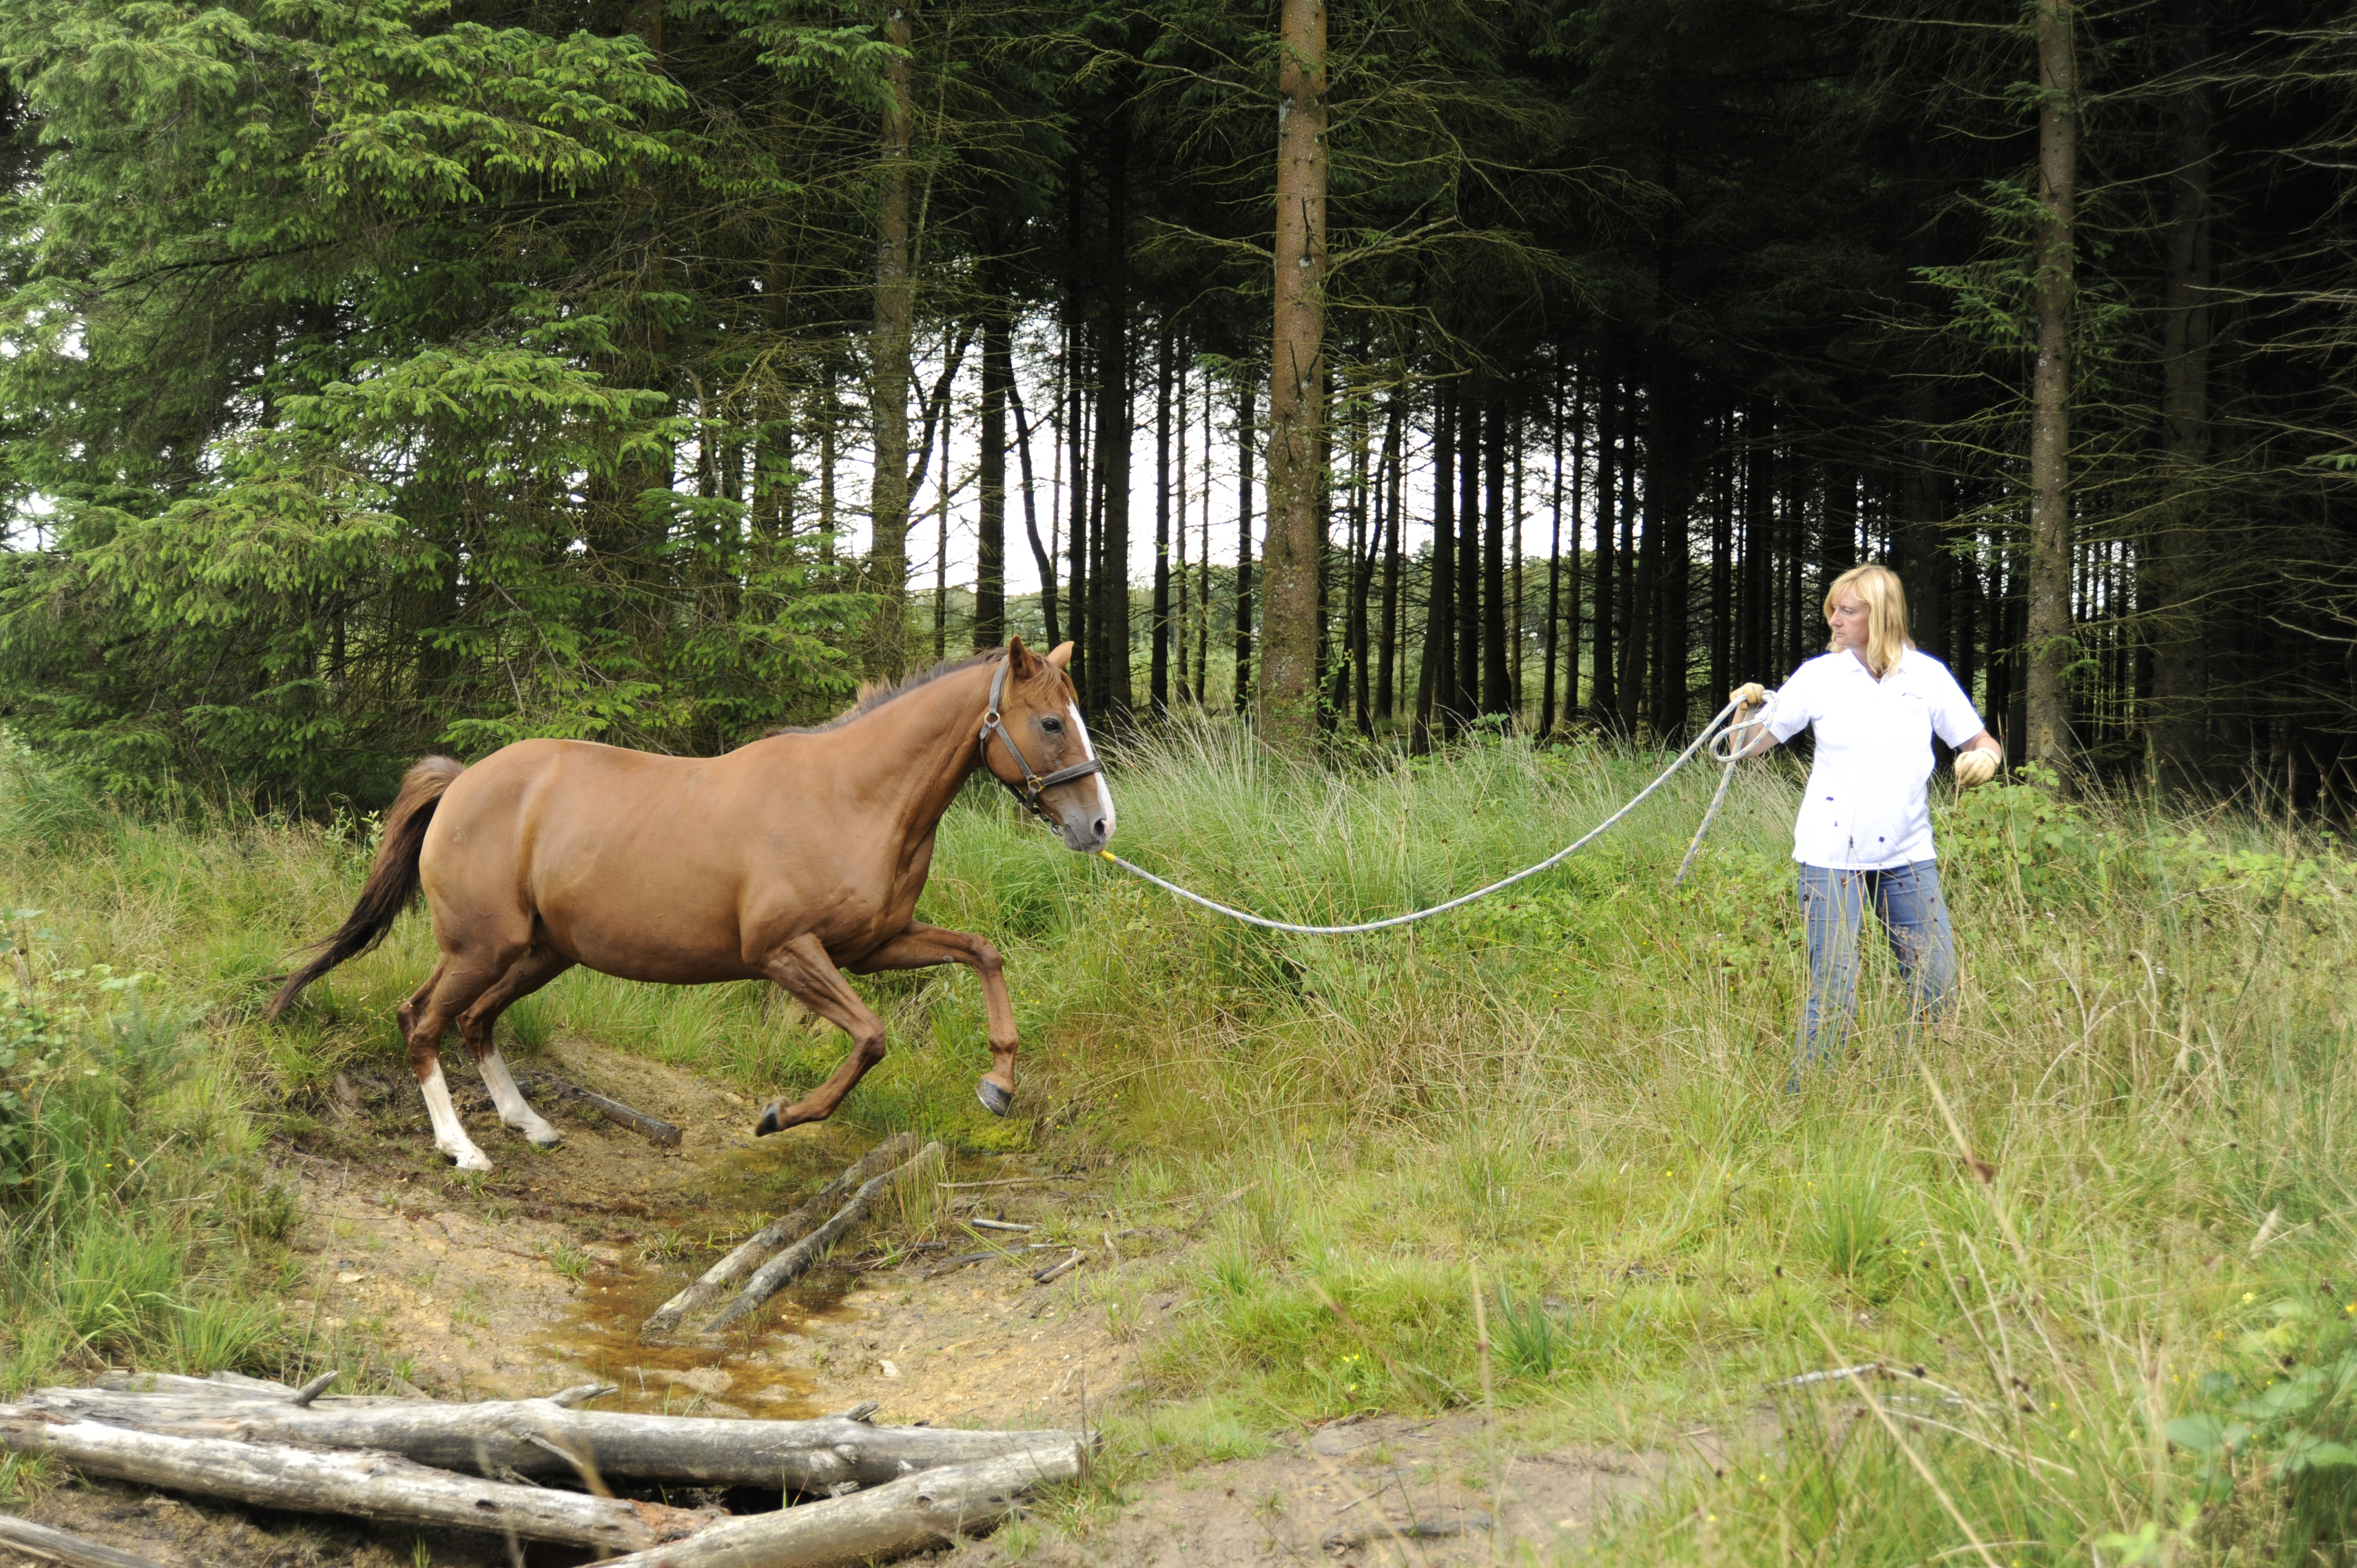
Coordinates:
[1034,742]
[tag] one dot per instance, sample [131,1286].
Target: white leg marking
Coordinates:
[448,1135]
[513,1110]
[1104,795]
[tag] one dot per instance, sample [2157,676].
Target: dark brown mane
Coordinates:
[875,695]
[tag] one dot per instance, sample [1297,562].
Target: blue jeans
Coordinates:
[1907,903]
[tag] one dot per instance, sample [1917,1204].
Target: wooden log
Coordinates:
[893,1521]
[789,1265]
[56,1546]
[530,1436]
[381,1487]
[762,1244]
[654,1127]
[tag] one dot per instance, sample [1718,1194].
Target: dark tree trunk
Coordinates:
[990,527]
[1244,413]
[1722,561]
[1555,570]
[1603,688]
[1117,422]
[1922,515]
[1436,682]
[2180,674]
[1158,667]
[1041,554]
[2049,630]
[1644,585]
[1387,668]
[1498,695]
[1468,688]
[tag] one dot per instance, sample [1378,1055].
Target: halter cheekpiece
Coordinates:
[1033,785]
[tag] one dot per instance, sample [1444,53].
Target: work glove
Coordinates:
[1974,768]
[1750,695]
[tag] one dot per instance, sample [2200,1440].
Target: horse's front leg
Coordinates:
[803,968]
[920,946]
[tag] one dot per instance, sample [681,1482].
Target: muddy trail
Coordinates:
[538,1276]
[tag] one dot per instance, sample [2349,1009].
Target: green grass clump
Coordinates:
[2089,1229]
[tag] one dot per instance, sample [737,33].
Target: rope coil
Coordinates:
[1721,724]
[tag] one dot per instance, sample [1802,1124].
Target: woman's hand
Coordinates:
[1978,761]
[1747,699]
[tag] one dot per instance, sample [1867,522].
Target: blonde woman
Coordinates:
[1864,833]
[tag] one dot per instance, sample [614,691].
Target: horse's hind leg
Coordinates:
[803,970]
[921,946]
[538,966]
[453,987]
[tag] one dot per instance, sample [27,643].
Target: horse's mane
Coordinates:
[874,695]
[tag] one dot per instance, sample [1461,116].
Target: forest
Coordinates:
[391,375]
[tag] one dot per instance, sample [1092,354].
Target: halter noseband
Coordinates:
[1033,786]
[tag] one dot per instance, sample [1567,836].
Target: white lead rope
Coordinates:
[1717,726]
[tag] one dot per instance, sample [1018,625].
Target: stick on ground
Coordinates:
[56,1546]
[763,1243]
[914,1514]
[373,1485]
[790,1264]
[530,1436]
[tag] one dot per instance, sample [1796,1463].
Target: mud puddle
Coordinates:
[539,1274]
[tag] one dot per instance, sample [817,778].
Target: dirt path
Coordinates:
[538,1276]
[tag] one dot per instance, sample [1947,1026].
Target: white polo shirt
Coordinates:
[1866,808]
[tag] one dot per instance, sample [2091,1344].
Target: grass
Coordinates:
[2106,1212]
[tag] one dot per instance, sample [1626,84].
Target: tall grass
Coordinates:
[2105,1212]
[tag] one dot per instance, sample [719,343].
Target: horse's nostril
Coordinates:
[1100,827]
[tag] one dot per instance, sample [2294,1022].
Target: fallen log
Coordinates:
[57,1546]
[386,1487]
[911,1515]
[533,1437]
[654,1127]
[757,1248]
[782,1270]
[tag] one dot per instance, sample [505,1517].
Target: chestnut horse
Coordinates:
[791,859]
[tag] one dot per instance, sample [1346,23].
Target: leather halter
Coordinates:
[1033,785]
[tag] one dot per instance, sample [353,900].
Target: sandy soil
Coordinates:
[538,1276]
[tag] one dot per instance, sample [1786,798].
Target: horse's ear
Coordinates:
[1060,655]
[1021,662]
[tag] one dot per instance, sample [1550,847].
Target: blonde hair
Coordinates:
[1886,615]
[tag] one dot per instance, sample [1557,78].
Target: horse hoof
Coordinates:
[767,1123]
[995,1099]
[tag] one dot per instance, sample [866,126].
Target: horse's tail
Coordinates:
[391,881]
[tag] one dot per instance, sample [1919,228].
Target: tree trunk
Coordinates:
[990,527]
[886,650]
[1469,557]
[544,1437]
[1641,549]
[1436,681]
[1245,401]
[2179,737]
[1922,515]
[1117,422]
[764,1243]
[2049,631]
[1043,555]
[1158,678]
[1578,492]
[1288,703]
[366,1484]
[916,1514]
[1386,666]
[1497,686]
[1722,561]
[1555,570]
[1604,699]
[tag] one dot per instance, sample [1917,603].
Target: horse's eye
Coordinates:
[1053,727]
